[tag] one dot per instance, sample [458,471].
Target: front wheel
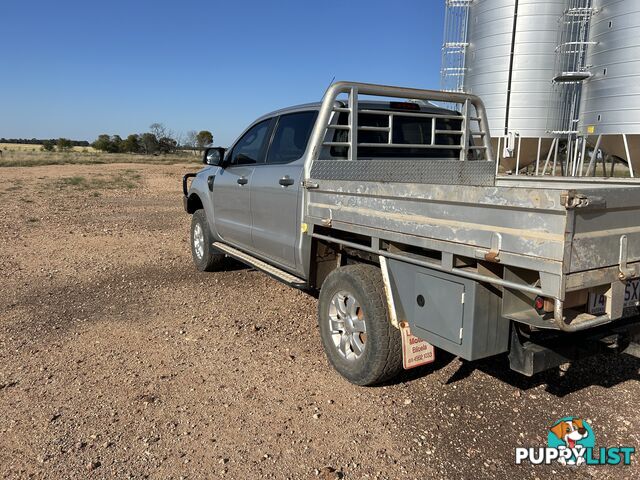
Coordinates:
[204,257]
[357,336]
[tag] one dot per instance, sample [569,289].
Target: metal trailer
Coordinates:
[523,249]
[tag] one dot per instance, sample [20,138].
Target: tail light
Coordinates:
[575,299]
[538,304]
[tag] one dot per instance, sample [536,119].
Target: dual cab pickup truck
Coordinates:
[392,210]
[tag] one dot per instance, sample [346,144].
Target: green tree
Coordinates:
[48,145]
[204,137]
[102,143]
[131,144]
[149,143]
[167,145]
[64,144]
[115,144]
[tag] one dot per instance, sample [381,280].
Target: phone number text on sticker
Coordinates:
[415,351]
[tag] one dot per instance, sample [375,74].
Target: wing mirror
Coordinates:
[213,156]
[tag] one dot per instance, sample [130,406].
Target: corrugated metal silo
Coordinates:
[560,79]
[610,103]
[510,62]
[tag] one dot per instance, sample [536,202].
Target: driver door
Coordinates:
[232,186]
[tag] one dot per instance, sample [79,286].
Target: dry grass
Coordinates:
[19,147]
[28,158]
[125,179]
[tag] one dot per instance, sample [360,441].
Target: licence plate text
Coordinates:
[598,302]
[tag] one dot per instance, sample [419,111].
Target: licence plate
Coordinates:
[415,351]
[598,302]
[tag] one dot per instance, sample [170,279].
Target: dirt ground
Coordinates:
[119,360]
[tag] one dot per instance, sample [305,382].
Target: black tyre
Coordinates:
[205,258]
[357,336]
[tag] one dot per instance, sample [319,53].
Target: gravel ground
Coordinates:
[119,360]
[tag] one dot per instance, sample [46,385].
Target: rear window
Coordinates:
[406,130]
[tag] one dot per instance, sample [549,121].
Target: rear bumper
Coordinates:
[550,349]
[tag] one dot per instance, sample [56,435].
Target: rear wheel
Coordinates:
[357,336]
[204,257]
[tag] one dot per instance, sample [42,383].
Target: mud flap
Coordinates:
[415,351]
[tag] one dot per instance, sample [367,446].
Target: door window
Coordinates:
[249,149]
[291,137]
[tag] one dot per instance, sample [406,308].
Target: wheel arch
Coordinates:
[194,202]
[328,256]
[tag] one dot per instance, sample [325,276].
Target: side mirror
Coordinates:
[213,156]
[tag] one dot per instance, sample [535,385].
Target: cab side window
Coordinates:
[291,137]
[249,149]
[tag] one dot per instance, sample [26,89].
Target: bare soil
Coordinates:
[119,360]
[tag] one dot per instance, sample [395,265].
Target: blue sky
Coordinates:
[77,69]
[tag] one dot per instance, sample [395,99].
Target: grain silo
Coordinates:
[560,78]
[610,104]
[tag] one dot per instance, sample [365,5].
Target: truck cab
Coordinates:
[251,193]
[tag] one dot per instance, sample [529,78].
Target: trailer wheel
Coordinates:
[205,258]
[357,336]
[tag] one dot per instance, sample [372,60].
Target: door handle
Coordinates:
[242,181]
[286,181]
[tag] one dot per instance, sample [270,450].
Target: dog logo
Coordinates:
[574,434]
[570,441]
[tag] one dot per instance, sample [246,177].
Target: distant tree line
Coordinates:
[157,140]
[62,145]
[38,141]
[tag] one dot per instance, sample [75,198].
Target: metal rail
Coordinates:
[558,311]
[422,263]
[454,45]
[353,90]
[577,156]
[558,316]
